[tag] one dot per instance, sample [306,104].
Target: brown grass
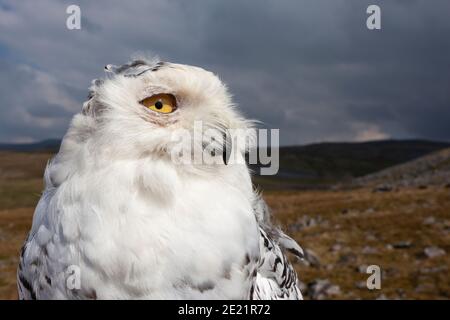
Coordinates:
[14,226]
[359,218]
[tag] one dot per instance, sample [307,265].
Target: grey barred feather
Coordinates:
[25,288]
[135,68]
[276,277]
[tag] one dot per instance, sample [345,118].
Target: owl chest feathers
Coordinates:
[152,226]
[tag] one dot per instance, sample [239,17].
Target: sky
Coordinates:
[310,68]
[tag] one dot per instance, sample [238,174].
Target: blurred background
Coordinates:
[364,119]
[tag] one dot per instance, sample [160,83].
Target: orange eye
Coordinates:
[162,103]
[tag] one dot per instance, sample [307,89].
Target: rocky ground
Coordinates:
[405,232]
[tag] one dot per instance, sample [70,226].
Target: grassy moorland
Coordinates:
[20,188]
[348,230]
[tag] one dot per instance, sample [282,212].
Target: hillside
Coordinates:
[51,145]
[325,164]
[432,169]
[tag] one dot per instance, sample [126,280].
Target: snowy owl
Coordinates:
[119,219]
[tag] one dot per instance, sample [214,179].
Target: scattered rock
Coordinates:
[369,250]
[371,237]
[333,290]
[320,289]
[429,220]
[424,287]
[433,252]
[336,247]
[361,285]
[401,293]
[362,268]
[433,269]
[306,222]
[329,267]
[382,297]
[402,245]
[346,259]
[382,188]
[370,210]
[446,226]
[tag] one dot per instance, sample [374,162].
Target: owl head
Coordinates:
[150,108]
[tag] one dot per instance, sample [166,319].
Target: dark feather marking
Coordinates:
[207,285]
[123,69]
[252,290]
[24,282]
[22,251]
[276,262]
[266,241]
[92,294]
[295,252]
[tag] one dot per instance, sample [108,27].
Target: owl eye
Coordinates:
[162,103]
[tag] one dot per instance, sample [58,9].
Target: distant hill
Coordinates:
[328,163]
[353,159]
[45,145]
[432,169]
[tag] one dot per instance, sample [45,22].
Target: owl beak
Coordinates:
[226,150]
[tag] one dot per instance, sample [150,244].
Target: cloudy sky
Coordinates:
[310,68]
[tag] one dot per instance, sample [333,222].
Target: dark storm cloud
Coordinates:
[33,105]
[310,68]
